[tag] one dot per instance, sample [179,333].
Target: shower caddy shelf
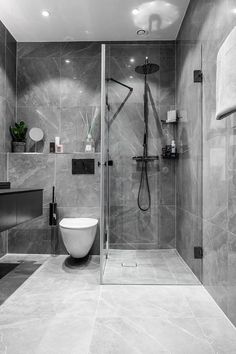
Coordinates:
[165,122]
[170,157]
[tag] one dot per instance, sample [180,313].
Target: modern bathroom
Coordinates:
[117,176]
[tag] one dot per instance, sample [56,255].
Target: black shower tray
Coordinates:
[145,158]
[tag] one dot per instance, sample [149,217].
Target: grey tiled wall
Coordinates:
[131,228]
[76,195]
[58,90]
[7,105]
[206,25]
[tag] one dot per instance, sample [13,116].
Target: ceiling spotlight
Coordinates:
[67,61]
[132,60]
[131,77]
[135,11]
[45,13]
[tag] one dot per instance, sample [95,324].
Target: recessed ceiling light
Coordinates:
[131,77]
[67,61]
[45,13]
[234,11]
[135,11]
[132,60]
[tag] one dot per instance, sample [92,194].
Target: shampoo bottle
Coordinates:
[173,147]
[89,144]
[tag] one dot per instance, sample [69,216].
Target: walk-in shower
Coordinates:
[138,185]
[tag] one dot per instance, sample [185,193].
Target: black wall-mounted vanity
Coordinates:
[19,205]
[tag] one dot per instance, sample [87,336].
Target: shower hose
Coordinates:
[144,182]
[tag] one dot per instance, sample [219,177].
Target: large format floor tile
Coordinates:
[63,309]
[163,266]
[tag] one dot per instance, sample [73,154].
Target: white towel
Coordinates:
[226,77]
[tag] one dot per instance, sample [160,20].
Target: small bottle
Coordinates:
[89,144]
[58,146]
[173,147]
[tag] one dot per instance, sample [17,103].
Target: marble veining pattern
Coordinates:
[163,266]
[209,147]
[7,105]
[129,227]
[65,310]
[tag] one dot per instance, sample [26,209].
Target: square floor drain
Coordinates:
[129,265]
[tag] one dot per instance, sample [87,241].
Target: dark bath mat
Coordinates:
[6,268]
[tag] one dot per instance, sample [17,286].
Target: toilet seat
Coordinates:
[77,223]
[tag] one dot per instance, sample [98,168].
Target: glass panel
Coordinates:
[103,180]
[140,236]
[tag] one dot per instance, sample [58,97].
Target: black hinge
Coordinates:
[197,76]
[198,252]
[110,162]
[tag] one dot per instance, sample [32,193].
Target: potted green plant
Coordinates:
[18,134]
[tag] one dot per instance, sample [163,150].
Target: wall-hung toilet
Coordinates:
[78,235]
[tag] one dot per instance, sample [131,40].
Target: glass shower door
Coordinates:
[104,180]
[153,246]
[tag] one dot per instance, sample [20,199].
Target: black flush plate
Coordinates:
[83,166]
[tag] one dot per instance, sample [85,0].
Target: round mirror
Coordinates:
[36,134]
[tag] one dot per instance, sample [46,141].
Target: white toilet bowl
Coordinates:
[78,235]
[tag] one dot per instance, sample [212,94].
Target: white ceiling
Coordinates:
[92,20]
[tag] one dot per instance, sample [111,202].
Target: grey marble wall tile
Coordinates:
[2,123]
[76,190]
[11,43]
[80,81]
[45,117]
[232,201]
[123,71]
[33,236]
[2,31]
[38,50]
[33,171]
[38,82]
[134,50]
[167,182]
[3,243]
[131,228]
[10,77]
[76,123]
[124,177]
[215,262]
[2,62]
[10,120]
[232,142]
[188,236]
[231,278]
[72,49]
[218,145]
[167,226]
[3,166]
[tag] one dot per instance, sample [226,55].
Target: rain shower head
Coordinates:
[147,68]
